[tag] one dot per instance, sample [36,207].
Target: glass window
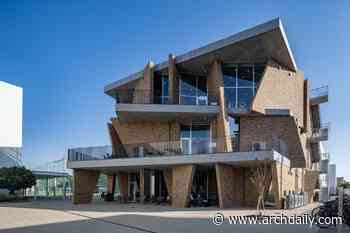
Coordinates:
[193,90]
[165,90]
[185,131]
[245,76]
[195,139]
[230,75]
[230,97]
[258,73]
[245,96]
[240,82]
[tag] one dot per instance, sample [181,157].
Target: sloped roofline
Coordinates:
[239,37]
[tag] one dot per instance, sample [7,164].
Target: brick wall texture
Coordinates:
[182,185]
[84,185]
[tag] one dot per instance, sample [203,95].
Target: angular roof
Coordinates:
[264,41]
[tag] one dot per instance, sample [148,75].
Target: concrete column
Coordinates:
[123,186]
[182,185]
[84,185]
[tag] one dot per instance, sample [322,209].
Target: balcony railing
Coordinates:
[146,96]
[325,156]
[320,134]
[184,147]
[319,95]
[239,108]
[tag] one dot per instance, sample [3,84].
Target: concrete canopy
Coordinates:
[257,44]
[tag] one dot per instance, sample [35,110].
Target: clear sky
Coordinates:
[64,52]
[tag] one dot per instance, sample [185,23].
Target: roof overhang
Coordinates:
[127,164]
[254,45]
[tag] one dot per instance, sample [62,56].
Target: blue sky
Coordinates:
[64,52]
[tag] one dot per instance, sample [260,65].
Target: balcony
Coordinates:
[320,134]
[183,147]
[151,106]
[324,163]
[161,154]
[319,95]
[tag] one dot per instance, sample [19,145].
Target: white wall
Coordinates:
[11,100]
[332,179]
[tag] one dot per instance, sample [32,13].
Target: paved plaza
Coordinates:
[62,216]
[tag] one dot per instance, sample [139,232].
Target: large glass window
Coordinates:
[161,89]
[241,82]
[195,138]
[193,90]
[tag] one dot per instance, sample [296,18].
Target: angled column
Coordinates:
[168,178]
[110,183]
[182,185]
[84,185]
[143,93]
[123,186]
[173,82]
[224,179]
[142,185]
[216,94]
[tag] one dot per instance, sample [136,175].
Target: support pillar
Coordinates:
[224,180]
[84,185]
[47,187]
[182,185]
[142,185]
[173,87]
[123,186]
[168,178]
[216,94]
[110,183]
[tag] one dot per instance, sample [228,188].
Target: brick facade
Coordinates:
[182,177]
[84,185]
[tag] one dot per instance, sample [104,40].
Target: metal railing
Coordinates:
[319,92]
[170,148]
[239,108]
[148,96]
[325,156]
[295,200]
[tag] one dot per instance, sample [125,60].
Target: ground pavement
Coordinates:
[63,217]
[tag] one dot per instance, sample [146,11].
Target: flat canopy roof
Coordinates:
[49,174]
[257,44]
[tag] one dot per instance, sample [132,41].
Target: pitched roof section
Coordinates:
[275,26]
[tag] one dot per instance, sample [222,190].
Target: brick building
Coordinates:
[194,126]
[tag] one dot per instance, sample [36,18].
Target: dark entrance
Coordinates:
[204,188]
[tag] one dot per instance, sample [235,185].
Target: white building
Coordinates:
[332,179]
[11,102]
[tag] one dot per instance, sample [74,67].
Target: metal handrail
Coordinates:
[149,96]
[318,92]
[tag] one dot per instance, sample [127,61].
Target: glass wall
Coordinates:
[193,90]
[195,138]
[161,89]
[241,82]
